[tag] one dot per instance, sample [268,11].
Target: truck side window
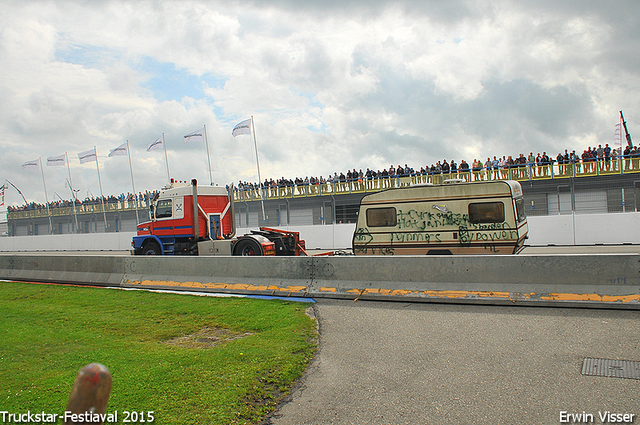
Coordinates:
[163,209]
[486,212]
[381,217]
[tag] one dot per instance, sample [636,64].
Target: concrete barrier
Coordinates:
[83,270]
[603,280]
[253,275]
[534,279]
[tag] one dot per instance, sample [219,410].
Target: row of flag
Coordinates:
[122,150]
[244,127]
[90,155]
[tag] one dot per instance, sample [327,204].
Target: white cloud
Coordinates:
[332,85]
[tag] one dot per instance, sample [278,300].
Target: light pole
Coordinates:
[26,204]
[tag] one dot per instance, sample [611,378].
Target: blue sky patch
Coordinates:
[87,55]
[166,82]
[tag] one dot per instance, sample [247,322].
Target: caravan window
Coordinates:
[520,209]
[486,212]
[381,217]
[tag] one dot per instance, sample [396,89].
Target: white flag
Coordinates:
[30,165]
[155,145]
[616,135]
[55,161]
[196,136]
[119,151]
[242,128]
[88,156]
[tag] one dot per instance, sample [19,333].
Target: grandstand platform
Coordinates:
[594,187]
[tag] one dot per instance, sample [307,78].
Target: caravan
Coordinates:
[451,218]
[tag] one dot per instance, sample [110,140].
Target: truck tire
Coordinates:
[247,247]
[151,248]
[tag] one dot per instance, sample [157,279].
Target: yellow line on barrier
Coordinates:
[213,285]
[592,297]
[513,297]
[327,289]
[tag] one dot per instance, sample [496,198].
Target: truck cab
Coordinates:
[173,225]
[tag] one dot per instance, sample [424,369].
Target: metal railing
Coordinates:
[521,173]
[81,209]
[525,172]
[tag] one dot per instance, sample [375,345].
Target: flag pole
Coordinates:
[104,213]
[166,160]
[133,185]
[46,197]
[255,143]
[73,194]
[206,142]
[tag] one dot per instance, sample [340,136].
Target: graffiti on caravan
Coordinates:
[363,235]
[420,220]
[372,250]
[415,237]
[467,236]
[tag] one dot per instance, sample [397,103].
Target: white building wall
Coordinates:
[562,229]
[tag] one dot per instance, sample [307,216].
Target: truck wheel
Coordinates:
[246,247]
[151,248]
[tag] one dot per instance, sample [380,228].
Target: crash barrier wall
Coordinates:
[601,280]
[569,229]
[120,241]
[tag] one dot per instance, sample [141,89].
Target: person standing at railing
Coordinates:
[531,160]
[495,166]
[396,177]
[575,161]
[560,160]
[607,156]
[586,162]
[504,173]
[453,168]
[445,169]
[464,169]
[600,156]
[627,157]
[392,175]
[521,164]
[488,165]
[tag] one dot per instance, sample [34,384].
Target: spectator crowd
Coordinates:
[589,161]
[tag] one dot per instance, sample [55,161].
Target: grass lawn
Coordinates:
[189,359]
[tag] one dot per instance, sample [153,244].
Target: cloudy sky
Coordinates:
[332,85]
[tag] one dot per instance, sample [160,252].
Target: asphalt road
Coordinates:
[410,363]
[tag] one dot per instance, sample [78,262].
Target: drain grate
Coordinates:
[611,368]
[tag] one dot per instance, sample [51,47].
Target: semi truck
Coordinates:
[187,219]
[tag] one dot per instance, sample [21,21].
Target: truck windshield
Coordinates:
[163,208]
